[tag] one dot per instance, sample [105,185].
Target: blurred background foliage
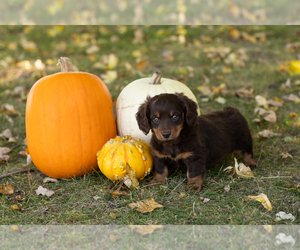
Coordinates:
[150,12]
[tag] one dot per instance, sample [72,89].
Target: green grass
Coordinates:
[73,202]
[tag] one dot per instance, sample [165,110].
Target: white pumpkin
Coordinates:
[135,93]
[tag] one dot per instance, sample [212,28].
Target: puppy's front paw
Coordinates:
[195,186]
[159,178]
[196,182]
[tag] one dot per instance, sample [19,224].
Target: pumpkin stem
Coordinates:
[156,77]
[66,65]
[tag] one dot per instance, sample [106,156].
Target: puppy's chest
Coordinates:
[174,153]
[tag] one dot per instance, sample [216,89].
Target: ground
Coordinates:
[214,62]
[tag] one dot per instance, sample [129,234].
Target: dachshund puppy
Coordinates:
[180,135]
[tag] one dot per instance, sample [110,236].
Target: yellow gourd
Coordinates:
[120,152]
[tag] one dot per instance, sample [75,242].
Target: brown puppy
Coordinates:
[180,135]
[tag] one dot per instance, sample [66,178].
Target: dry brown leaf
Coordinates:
[145,229]
[276,102]
[270,116]
[242,170]
[130,179]
[263,199]
[141,64]
[256,120]
[14,228]
[113,215]
[4,150]
[9,109]
[113,238]
[118,192]
[145,206]
[245,92]
[285,155]
[8,189]
[292,98]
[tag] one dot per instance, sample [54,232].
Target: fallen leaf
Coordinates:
[130,179]
[93,49]
[256,120]
[112,61]
[49,179]
[9,109]
[283,216]
[14,207]
[220,100]
[226,70]
[118,192]
[276,103]
[110,76]
[270,116]
[136,53]
[113,238]
[293,115]
[8,189]
[113,215]
[145,206]
[182,195]
[227,188]
[261,101]
[96,197]
[28,45]
[283,238]
[14,228]
[263,199]
[294,68]
[206,200]
[242,170]
[285,155]
[141,64]
[294,186]
[228,169]
[4,150]
[28,160]
[268,228]
[6,134]
[145,229]
[266,134]
[205,90]
[292,98]
[44,191]
[288,139]
[245,92]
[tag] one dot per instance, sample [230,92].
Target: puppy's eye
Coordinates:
[175,118]
[155,119]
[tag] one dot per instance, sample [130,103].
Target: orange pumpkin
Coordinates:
[69,116]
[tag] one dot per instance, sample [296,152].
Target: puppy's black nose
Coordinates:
[166,135]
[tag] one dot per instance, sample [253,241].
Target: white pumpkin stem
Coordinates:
[66,65]
[156,77]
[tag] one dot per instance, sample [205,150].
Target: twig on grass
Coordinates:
[16,172]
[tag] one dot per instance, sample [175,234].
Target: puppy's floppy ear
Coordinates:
[191,107]
[142,116]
